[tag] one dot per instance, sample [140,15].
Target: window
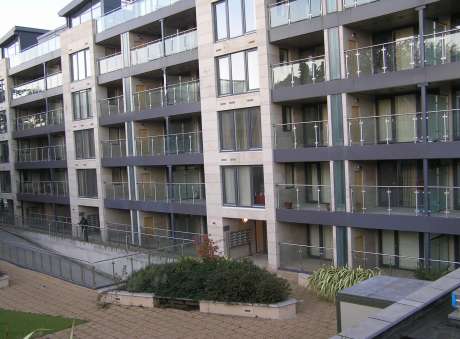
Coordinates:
[81,103]
[234,18]
[11,50]
[5,182]
[2,91]
[86,13]
[287,118]
[243,186]
[3,123]
[233,75]
[81,65]
[4,152]
[84,144]
[87,183]
[240,130]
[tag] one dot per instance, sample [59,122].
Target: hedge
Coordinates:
[216,279]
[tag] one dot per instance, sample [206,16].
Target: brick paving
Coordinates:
[38,293]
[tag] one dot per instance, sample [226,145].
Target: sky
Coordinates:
[31,13]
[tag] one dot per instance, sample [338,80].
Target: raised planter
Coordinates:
[281,311]
[4,281]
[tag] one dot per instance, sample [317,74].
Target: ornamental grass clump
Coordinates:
[327,281]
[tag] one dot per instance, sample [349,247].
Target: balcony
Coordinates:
[180,193]
[355,3]
[114,148]
[44,188]
[35,51]
[41,154]
[444,201]
[299,72]
[110,63]
[442,47]
[301,135]
[112,106]
[37,86]
[304,258]
[131,11]
[117,191]
[173,44]
[50,118]
[175,144]
[287,12]
[304,197]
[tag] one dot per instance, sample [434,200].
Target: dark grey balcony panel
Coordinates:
[41,164]
[435,150]
[171,159]
[36,61]
[407,223]
[159,207]
[32,132]
[37,96]
[369,83]
[47,199]
[161,13]
[157,112]
[160,63]
[360,13]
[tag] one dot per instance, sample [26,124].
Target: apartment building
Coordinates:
[297,132]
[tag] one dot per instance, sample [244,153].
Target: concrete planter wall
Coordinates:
[4,281]
[281,311]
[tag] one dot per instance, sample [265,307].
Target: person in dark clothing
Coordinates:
[84,227]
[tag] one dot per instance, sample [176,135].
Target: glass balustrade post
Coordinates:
[297,197]
[389,200]
[294,131]
[361,132]
[316,135]
[446,198]
[387,130]
[444,120]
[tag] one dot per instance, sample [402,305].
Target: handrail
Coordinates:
[383,186]
[301,185]
[384,116]
[306,246]
[301,122]
[180,33]
[168,135]
[448,31]
[36,80]
[145,44]
[382,44]
[109,56]
[314,58]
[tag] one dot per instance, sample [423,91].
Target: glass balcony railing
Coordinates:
[356,3]
[114,148]
[117,191]
[147,52]
[110,63]
[148,99]
[286,12]
[388,57]
[36,51]
[112,106]
[385,129]
[55,117]
[443,126]
[131,11]
[47,153]
[442,47]
[37,86]
[301,135]
[304,197]
[169,144]
[183,193]
[181,41]
[299,72]
[304,258]
[406,200]
[444,201]
[54,188]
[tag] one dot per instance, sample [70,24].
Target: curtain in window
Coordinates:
[405,104]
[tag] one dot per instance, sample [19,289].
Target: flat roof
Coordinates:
[16,29]
[71,6]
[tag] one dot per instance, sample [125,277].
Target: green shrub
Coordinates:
[327,281]
[430,274]
[217,279]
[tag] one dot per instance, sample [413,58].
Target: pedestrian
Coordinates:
[84,227]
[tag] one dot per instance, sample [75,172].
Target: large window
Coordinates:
[233,18]
[87,183]
[81,103]
[3,123]
[88,12]
[243,186]
[2,90]
[81,65]
[5,182]
[84,144]
[233,72]
[4,152]
[240,130]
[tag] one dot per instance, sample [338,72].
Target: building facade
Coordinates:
[297,133]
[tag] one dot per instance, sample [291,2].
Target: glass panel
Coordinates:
[227,130]
[81,65]
[221,20]
[334,53]
[229,185]
[258,185]
[255,133]
[224,75]
[244,186]
[235,17]
[404,125]
[253,70]
[238,73]
[337,119]
[250,15]
[242,130]
[279,14]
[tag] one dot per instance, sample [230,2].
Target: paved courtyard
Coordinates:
[38,293]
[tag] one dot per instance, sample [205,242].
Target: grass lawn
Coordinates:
[16,325]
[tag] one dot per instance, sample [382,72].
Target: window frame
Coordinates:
[230,68]
[236,187]
[85,195]
[88,93]
[90,143]
[75,66]
[227,21]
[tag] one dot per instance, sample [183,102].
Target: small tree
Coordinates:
[206,248]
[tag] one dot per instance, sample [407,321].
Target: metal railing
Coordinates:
[112,106]
[130,11]
[38,85]
[183,193]
[181,41]
[54,188]
[356,3]
[442,47]
[147,52]
[117,191]
[169,144]
[54,117]
[35,51]
[114,148]
[148,99]
[304,258]
[303,197]
[385,129]
[441,125]
[387,199]
[110,63]
[46,153]
[299,72]
[444,201]
[301,135]
[388,57]
[286,12]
